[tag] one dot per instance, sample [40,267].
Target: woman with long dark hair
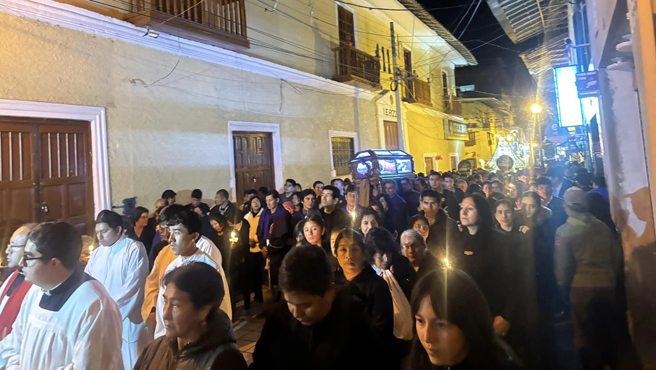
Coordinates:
[452,326]
[527,337]
[314,232]
[140,230]
[484,253]
[384,253]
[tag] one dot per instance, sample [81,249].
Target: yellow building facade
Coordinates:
[184,99]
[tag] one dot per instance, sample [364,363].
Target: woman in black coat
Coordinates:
[356,276]
[484,253]
[383,253]
[531,337]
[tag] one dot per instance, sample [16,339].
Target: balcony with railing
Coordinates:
[355,66]
[453,105]
[216,22]
[417,92]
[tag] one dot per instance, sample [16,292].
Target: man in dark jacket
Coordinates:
[215,347]
[225,206]
[197,204]
[274,232]
[316,327]
[441,227]
[545,190]
[398,209]
[411,197]
[448,199]
[559,182]
[333,217]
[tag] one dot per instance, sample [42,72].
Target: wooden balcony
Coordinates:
[453,105]
[355,66]
[417,91]
[216,22]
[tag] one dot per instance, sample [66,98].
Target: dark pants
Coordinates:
[252,278]
[276,256]
[593,317]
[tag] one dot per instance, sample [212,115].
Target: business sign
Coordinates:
[587,84]
[569,105]
[455,131]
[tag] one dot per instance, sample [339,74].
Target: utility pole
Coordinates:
[398,79]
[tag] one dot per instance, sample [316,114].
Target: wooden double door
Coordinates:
[253,161]
[45,173]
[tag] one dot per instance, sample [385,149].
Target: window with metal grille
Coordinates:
[472,139]
[343,151]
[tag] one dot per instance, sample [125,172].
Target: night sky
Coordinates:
[502,52]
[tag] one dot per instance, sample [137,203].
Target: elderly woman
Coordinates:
[383,253]
[413,246]
[198,334]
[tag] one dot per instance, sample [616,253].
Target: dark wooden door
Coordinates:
[45,173]
[253,161]
[409,85]
[391,135]
[428,162]
[346,26]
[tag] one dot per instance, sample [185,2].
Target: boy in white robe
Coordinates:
[121,265]
[67,320]
[185,229]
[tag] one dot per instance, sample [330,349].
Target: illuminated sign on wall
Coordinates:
[569,105]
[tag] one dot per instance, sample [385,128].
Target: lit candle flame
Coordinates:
[447,263]
[233,237]
[91,248]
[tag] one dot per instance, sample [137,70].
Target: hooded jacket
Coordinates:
[216,349]
[585,253]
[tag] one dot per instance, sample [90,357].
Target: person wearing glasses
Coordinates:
[15,288]
[67,319]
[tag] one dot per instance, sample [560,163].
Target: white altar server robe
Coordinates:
[77,325]
[122,269]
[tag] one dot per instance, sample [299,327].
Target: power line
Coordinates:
[470,19]
[397,9]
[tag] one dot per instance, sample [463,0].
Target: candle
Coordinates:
[447,263]
[233,237]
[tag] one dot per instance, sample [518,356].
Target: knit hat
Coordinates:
[575,198]
[197,194]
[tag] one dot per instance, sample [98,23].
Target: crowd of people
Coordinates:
[437,271]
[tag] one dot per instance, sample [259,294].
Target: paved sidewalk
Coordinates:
[247,333]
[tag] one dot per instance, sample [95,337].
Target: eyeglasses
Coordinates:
[24,260]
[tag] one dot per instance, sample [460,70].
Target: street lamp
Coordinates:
[536,108]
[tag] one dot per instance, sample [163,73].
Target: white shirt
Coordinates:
[85,333]
[199,256]
[122,269]
[207,246]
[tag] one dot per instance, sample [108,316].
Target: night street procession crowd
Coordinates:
[439,271]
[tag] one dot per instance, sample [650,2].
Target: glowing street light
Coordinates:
[536,108]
